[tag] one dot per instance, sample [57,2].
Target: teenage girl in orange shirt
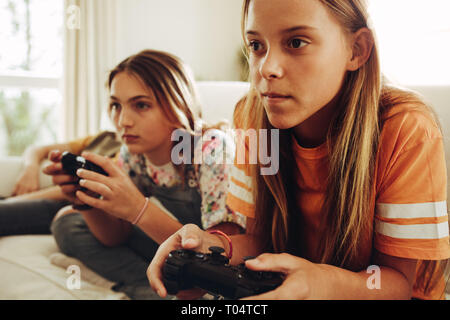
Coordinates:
[380,196]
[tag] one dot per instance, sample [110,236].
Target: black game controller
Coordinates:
[71,163]
[187,269]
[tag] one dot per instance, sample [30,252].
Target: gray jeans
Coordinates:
[28,216]
[126,264]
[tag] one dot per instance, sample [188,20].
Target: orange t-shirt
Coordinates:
[410,214]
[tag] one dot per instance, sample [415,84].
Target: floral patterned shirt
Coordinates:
[216,150]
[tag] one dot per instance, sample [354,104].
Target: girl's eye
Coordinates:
[142,105]
[296,43]
[255,46]
[114,105]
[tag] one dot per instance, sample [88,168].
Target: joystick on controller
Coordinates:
[187,269]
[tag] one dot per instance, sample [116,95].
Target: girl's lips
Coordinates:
[271,97]
[274,95]
[129,138]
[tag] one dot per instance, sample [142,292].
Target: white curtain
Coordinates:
[90,52]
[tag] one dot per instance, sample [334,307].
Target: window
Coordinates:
[30,73]
[414,38]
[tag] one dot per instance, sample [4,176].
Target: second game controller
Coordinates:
[187,269]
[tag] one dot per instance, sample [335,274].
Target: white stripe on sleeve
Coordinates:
[414,231]
[412,210]
[240,192]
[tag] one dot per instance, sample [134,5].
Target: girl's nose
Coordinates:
[125,118]
[271,65]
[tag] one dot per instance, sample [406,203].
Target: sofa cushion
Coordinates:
[26,272]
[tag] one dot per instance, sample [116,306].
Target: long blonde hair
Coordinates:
[350,187]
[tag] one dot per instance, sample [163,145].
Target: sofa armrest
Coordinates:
[10,168]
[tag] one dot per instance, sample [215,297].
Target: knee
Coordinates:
[64,211]
[65,229]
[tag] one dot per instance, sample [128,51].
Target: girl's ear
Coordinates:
[362,45]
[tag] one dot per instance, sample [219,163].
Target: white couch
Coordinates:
[31,266]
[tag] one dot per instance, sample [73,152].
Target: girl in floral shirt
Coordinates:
[147,195]
[210,178]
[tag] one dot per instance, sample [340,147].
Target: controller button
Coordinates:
[216,256]
[216,250]
[199,255]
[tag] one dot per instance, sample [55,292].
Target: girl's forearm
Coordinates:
[109,230]
[34,155]
[244,245]
[52,193]
[157,224]
[371,284]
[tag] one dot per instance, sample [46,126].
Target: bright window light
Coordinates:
[414,40]
[31,47]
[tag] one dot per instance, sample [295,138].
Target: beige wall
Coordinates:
[205,33]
